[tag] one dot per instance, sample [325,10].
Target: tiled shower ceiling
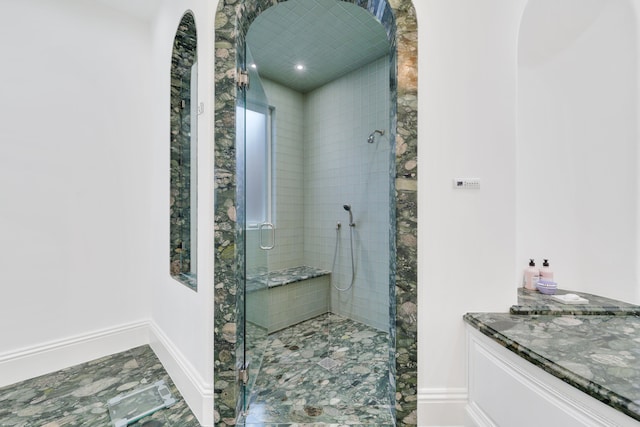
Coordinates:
[329,37]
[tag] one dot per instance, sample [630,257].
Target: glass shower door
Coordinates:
[259,233]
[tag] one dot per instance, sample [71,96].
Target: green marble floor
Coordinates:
[327,371]
[77,396]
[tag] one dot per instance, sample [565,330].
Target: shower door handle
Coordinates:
[270,227]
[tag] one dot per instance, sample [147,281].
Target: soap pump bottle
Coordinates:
[545,272]
[531,276]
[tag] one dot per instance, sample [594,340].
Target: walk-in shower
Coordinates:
[316,165]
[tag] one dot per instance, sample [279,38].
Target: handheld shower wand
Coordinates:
[348,209]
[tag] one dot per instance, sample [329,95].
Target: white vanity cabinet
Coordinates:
[505,390]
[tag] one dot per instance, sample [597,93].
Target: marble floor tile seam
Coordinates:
[353,371]
[325,361]
[318,424]
[355,396]
[328,341]
[342,405]
[291,360]
[358,415]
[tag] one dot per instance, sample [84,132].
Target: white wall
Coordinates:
[340,168]
[471,249]
[466,238]
[183,319]
[577,144]
[84,215]
[84,165]
[74,170]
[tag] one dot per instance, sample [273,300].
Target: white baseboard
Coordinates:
[440,407]
[197,392]
[31,362]
[34,361]
[475,417]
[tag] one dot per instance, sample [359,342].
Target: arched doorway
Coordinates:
[232,23]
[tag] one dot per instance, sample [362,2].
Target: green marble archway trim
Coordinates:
[232,21]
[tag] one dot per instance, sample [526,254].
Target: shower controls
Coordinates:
[467,183]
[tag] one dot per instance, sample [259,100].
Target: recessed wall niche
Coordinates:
[183,148]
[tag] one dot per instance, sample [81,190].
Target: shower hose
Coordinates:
[335,253]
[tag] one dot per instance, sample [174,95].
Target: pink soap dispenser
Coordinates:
[545,272]
[531,276]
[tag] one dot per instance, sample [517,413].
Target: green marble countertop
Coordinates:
[533,302]
[598,354]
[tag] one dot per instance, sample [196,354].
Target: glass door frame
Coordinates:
[253,221]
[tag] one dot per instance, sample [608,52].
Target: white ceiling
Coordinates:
[329,37]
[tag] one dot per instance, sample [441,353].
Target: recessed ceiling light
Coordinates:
[254,66]
[299,67]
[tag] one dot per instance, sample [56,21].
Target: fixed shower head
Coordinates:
[348,209]
[372,137]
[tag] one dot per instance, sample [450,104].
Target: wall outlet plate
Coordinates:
[466,183]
